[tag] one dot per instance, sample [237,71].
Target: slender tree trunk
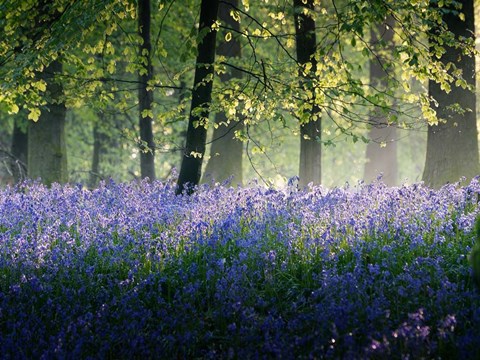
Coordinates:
[19,149]
[452,147]
[182,134]
[47,153]
[99,140]
[310,131]
[381,159]
[95,158]
[191,169]
[226,151]
[145,97]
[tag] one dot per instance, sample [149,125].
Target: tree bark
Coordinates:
[19,149]
[145,97]
[381,159]
[99,147]
[226,151]
[191,168]
[310,131]
[452,147]
[47,153]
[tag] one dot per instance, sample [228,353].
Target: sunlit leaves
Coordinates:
[196,154]
[428,112]
[147,113]
[34,114]
[99,44]
[258,150]
[235,15]
[278,17]
[57,29]
[216,25]
[40,85]
[13,109]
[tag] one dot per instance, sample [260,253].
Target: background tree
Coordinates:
[191,169]
[226,151]
[452,144]
[145,93]
[47,153]
[37,35]
[382,148]
[19,147]
[310,126]
[99,149]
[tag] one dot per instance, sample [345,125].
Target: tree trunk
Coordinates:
[381,159]
[19,149]
[310,131]
[47,153]
[452,147]
[145,97]
[226,151]
[99,146]
[191,169]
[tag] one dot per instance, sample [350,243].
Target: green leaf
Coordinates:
[147,113]
[13,109]
[34,114]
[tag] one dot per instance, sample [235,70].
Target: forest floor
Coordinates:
[131,270]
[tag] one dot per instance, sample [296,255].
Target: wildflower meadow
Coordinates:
[133,271]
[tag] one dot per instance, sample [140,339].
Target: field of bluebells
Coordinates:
[131,270]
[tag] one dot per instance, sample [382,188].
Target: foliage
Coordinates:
[98,43]
[37,33]
[342,90]
[131,270]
